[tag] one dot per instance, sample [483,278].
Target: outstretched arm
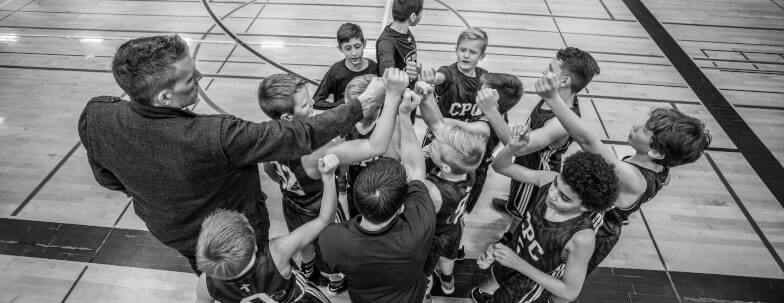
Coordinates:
[411,154]
[504,161]
[430,112]
[283,248]
[487,100]
[432,76]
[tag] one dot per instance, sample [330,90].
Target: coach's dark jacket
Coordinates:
[179,166]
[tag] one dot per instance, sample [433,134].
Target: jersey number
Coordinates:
[534,249]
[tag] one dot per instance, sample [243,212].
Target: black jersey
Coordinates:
[541,243]
[454,195]
[263,283]
[457,95]
[355,168]
[548,158]
[335,81]
[296,186]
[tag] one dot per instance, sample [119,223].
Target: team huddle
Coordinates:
[375,211]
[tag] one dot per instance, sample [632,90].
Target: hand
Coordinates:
[369,99]
[412,69]
[428,75]
[521,135]
[486,259]
[328,164]
[409,103]
[423,88]
[547,86]
[395,81]
[505,256]
[487,100]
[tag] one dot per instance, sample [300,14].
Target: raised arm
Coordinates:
[504,161]
[283,248]
[411,154]
[430,112]
[487,100]
[569,286]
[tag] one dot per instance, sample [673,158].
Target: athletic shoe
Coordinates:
[447,282]
[479,295]
[336,287]
[461,254]
[308,268]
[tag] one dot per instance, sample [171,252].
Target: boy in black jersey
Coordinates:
[285,96]
[351,42]
[235,269]
[396,46]
[548,253]
[549,140]
[667,139]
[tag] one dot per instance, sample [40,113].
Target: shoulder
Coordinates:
[104,99]
[418,195]
[584,239]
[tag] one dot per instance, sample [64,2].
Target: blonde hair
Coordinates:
[461,149]
[473,33]
[226,244]
[356,87]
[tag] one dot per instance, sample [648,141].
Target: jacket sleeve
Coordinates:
[105,177]
[245,143]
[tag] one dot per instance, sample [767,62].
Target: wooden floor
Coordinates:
[717,217]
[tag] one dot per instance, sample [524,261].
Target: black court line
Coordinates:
[753,149]
[78,278]
[46,179]
[777,4]
[745,212]
[16,10]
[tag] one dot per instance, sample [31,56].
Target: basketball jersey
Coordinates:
[297,187]
[548,158]
[454,195]
[261,284]
[654,181]
[542,244]
[457,95]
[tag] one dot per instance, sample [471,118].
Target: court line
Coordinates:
[46,179]
[777,4]
[78,278]
[724,26]
[16,10]
[455,12]
[742,135]
[607,9]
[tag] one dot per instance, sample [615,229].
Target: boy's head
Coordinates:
[587,182]
[351,43]
[456,150]
[226,245]
[285,96]
[355,88]
[471,46]
[670,137]
[407,11]
[574,68]
[380,189]
[157,71]
[509,87]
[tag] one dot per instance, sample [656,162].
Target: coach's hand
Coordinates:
[371,98]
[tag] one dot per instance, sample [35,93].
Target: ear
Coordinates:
[654,154]
[412,17]
[566,81]
[163,98]
[446,169]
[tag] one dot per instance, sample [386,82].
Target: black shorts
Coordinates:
[514,287]
[296,215]
[607,236]
[446,245]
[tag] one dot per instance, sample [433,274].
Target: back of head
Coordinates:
[461,149]
[473,33]
[276,94]
[226,244]
[681,139]
[380,189]
[509,87]
[142,67]
[402,9]
[348,31]
[580,65]
[592,178]
[356,87]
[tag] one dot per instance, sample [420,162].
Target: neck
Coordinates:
[554,215]
[358,68]
[370,226]
[566,95]
[471,72]
[642,159]
[400,27]
[451,177]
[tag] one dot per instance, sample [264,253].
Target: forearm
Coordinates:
[431,114]
[499,126]
[331,123]
[411,154]
[385,125]
[329,198]
[503,160]
[575,126]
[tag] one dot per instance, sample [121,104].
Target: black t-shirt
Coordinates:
[457,95]
[393,49]
[385,265]
[335,81]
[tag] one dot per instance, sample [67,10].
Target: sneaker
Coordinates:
[479,295]
[461,254]
[447,282]
[339,286]
[308,268]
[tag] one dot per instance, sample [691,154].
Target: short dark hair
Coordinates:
[402,9]
[680,138]
[509,87]
[276,94]
[348,31]
[592,178]
[580,64]
[380,189]
[142,67]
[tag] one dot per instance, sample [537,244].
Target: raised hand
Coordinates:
[547,86]
[412,69]
[395,81]
[423,88]
[428,75]
[520,136]
[409,103]
[487,100]
[328,164]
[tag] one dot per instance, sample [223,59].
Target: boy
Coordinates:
[396,46]
[235,269]
[549,140]
[351,42]
[384,249]
[285,96]
[458,83]
[667,139]
[548,253]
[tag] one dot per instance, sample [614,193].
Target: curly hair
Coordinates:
[580,65]
[276,94]
[142,67]
[681,139]
[592,178]
[509,87]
